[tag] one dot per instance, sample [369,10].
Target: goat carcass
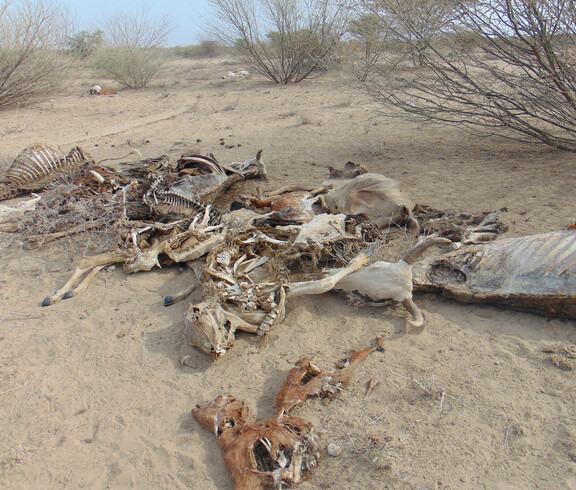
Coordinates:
[282,450]
[533,273]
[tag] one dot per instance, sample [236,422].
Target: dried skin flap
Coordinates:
[535,272]
[375,196]
[281,449]
[306,380]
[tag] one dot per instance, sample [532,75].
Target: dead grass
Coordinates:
[304,120]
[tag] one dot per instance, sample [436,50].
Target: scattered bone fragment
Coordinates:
[187,361]
[333,450]
[371,385]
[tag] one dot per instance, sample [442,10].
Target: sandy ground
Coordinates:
[92,393]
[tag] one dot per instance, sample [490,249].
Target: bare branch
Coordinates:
[284,40]
[504,67]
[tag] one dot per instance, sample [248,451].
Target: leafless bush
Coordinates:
[284,40]
[131,56]
[504,67]
[31,35]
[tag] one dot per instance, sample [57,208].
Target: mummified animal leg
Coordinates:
[296,390]
[324,285]
[91,265]
[180,295]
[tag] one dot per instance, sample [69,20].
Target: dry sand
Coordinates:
[92,393]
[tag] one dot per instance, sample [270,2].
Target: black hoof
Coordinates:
[168,300]
[69,294]
[46,302]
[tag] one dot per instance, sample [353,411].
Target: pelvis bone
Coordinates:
[282,450]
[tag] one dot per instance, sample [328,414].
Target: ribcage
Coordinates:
[38,165]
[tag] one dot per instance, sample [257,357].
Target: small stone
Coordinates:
[334,450]
[187,361]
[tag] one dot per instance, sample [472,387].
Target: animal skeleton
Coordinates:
[37,166]
[282,450]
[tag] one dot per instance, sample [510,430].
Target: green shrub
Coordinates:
[84,43]
[132,67]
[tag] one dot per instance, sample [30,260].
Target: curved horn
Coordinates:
[415,252]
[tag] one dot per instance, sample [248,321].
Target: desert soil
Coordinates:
[92,393]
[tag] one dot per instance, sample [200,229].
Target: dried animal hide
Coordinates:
[291,206]
[382,200]
[459,227]
[199,181]
[533,273]
[306,380]
[37,166]
[378,281]
[277,452]
[282,450]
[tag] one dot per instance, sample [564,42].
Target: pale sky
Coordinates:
[188,15]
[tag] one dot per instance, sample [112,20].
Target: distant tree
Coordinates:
[284,40]
[131,56]
[84,43]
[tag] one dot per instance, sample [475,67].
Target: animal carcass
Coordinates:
[533,273]
[382,200]
[282,450]
[37,166]
[198,181]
